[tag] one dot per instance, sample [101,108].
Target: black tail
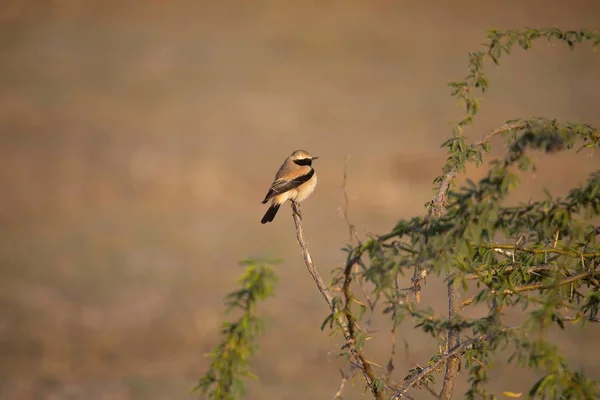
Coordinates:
[270,214]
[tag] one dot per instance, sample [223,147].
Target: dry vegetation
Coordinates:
[137,140]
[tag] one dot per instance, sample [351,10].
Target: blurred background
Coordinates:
[138,138]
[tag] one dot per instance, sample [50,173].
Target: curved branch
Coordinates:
[439,200]
[345,325]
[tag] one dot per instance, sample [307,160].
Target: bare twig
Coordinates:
[354,239]
[390,364]
[346,326]
[351,228]
[453,341]
[352,234]
[345,377]
[407,352]
[431,391]
[307,259]
[556,235]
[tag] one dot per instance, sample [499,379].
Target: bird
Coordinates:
[295,181]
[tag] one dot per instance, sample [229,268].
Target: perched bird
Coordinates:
[295,180]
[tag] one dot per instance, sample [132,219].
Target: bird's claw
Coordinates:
[296,209]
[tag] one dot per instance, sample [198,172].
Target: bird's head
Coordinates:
[302,157]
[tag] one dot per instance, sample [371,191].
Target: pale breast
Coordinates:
[306,189]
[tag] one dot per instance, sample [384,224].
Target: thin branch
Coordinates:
[345,377]
[526,270]
[308,260]
[439,200]
[531,250]
[438,204]
[351,229]
[390,364]
[346,326]
[574,319]
[431,391]
[354,239]
[353,235]
[540,285]
[400,390]
[453,341]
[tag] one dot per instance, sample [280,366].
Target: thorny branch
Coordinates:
[439,200]
[525,270]
[347,326]
[437,206]
[454,348]
[540,285]
[400,390]
[530,250]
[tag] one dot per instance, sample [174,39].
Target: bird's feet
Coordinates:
[296,209]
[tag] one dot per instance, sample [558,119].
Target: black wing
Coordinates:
[282,186]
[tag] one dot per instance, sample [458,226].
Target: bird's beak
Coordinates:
[314,158]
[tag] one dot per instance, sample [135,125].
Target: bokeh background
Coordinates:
[137,139]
